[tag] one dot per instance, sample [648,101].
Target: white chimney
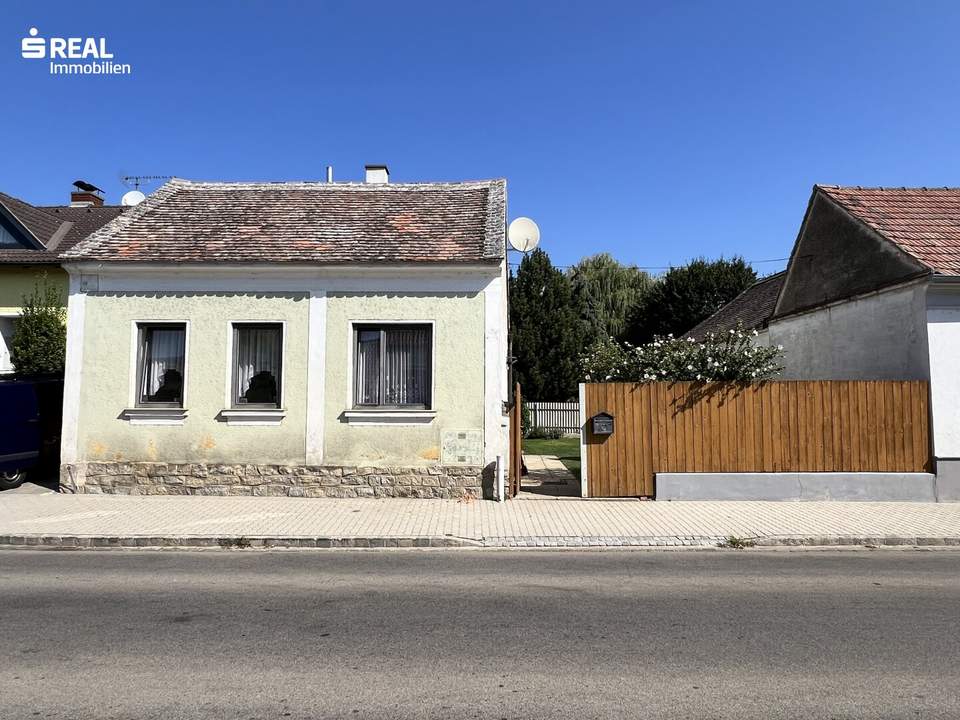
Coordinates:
[377,174]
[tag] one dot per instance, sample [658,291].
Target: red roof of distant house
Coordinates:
[923,222]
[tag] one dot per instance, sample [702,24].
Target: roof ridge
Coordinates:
[890,188]
[323,185]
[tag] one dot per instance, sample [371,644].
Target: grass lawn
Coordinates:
[567,449]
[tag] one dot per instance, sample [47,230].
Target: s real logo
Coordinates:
[85,56]
[33,47]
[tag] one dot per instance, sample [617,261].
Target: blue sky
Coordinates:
[656,131]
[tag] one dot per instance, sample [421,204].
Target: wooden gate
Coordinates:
[515,462]
[779,426]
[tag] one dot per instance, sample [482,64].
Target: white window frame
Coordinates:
[257,415]
[385,415]
[155,415]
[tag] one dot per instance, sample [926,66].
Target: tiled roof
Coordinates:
[46,223]
[85,221]
[751,308]
[328,223]
[38,222]
[924,222]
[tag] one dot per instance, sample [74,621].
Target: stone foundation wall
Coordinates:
[128,478]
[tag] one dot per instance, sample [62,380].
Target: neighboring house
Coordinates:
[750,310]
[30,239]
[292,338]
[872,292]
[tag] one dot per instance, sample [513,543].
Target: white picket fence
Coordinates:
[562,416]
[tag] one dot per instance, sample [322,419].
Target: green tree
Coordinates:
[546,332]
[606,294]
[686,295]
[39,345]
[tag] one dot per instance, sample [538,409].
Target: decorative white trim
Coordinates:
[389,417]
[494,369]
[73,372]
[267,278]
[316,376]
[583,441]
[154,416]
[253,416]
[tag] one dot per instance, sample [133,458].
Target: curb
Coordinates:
[38,541]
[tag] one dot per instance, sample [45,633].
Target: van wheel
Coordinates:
[9,479]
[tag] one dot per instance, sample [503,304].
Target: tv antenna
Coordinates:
[137,180]
[135,196]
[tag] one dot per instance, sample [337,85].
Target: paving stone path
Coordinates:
[90,520]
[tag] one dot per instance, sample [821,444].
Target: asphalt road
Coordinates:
[470,634]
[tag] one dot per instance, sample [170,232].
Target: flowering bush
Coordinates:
[731,356]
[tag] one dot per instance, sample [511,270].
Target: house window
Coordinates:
[392,365]
[160,364]
[257,358]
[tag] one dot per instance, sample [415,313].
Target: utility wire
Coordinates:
[664,267]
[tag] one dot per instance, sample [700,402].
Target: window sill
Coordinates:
[389,417]
[253,416]
[154,416]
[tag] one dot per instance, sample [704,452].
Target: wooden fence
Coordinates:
[782,426]
[515,459]
[562,416]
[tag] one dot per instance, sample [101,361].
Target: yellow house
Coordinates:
[301,339]
[31,237]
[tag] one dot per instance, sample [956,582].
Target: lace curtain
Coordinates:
[258,364]
[404,378]
[161,377]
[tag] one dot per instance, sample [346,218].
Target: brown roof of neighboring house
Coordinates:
[923,222]
[49,226]
[752,308]
[328,223]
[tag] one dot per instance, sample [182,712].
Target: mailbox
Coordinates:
[602,424]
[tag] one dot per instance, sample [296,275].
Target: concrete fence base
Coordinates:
[867,486]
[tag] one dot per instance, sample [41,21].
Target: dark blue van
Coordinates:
[30,415]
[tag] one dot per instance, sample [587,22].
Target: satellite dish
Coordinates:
[523,234]
[134,197]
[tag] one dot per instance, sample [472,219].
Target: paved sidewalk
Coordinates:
[118,521]
[547,477]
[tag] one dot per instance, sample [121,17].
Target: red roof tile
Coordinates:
[923,222]
[327,223]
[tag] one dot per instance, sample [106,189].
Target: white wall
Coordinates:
[881,336]
[7,327]
[943,331]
